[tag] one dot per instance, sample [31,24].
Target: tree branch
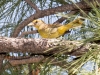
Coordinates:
[36,59]
[32,5]
[33,59]
[43,46]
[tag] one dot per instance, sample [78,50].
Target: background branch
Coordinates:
[32,5]
[34,59]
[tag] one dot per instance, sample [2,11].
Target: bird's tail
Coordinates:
[77,22]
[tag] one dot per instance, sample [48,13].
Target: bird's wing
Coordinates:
[51,30]
[54,25]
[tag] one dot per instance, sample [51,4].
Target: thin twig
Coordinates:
[33,5]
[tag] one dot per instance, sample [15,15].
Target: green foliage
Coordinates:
[13,12]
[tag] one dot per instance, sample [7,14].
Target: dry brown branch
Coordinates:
[46,12]
[34,59]
[43,46]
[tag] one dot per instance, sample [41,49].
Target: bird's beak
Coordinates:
[30,24]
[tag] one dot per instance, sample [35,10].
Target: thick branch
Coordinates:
[46,12]
[43,46]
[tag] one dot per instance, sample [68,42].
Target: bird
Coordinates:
[54,30]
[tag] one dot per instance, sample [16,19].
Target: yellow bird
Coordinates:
[52,30]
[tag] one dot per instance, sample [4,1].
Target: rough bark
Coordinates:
[42,46]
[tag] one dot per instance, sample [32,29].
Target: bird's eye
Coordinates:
[36,22]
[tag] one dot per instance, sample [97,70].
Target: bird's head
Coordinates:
[36,23]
